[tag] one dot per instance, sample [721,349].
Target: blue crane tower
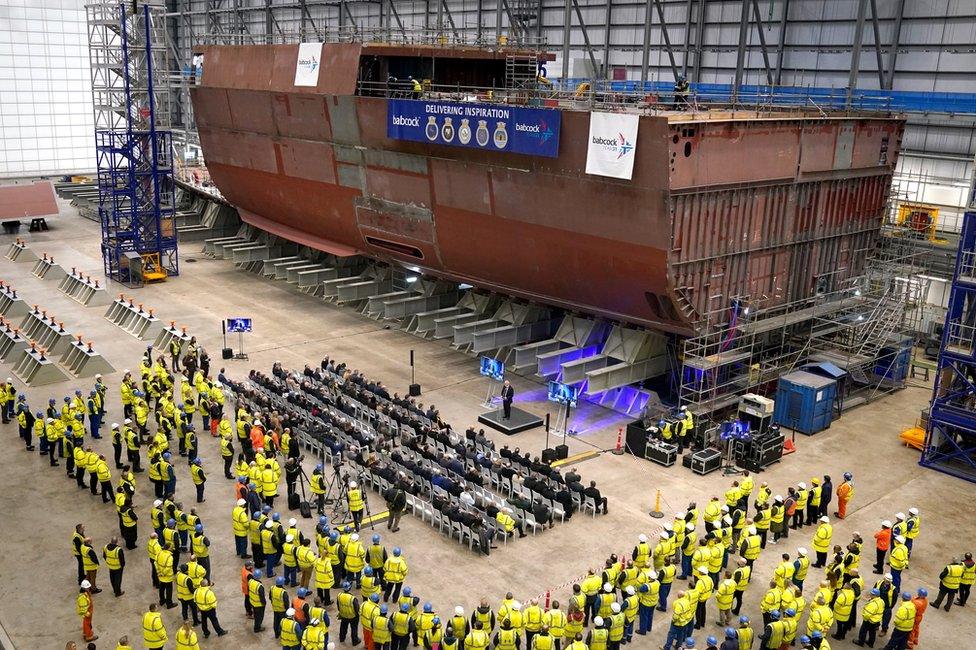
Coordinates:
[133,144]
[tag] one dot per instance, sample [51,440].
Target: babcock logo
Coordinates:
[310,63]
[620,145]
[399,120]
[539,131]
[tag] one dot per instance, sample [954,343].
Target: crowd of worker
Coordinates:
[332,578]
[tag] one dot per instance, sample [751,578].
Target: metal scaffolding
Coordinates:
[866,328]
[133,145]
[950,436]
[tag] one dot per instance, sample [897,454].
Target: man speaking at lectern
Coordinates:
[508,394]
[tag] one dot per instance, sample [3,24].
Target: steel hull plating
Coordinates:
[770,209]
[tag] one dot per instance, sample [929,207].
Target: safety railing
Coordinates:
[387,36]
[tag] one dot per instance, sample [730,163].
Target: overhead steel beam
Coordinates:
[667,39]
[646,51]
[687,52]
[391,4]
[268,22]
[877,42]
[498,21]
[567,29]
[586,37]
[606,40]
[895,42]
[740,54]
[762,41]
[862,10]
[781,43]
[450,20]
[699,38]
[479,29]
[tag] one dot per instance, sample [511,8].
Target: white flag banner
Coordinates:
[308,64]
[612,144]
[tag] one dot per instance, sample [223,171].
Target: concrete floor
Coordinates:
[41,506]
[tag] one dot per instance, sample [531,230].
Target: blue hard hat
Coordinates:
[198,528]
[790,612]
[711,640]
[774,614]
[280,581]
[407,591]
[375,598]
[396,551]
[255,515]
[644,589]
[166,456]
[171,522]
[689,643]
[848,476]
[817,634]
[258,574]
[730,633]
[196,461]
[346,586]
[39,415]
[52,401]
[906,595]
[347,529]
[368,570]
[384,609]
[428,608]
[334,535]
[266,509]
[318,468]
[404,607]
[875,592]
[436,621]
[275,517]
[322,520]
[92,392]
[79,417]
[376,539]
[923,592]
[242,479]
[302,592]
[254,486]
[804,639]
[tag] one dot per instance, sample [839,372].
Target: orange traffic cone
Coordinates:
[788,447]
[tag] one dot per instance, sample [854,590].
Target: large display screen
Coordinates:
[563,393]
[492,368]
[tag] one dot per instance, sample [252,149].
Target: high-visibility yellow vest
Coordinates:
[346,606]
[153,632]
[953,576]
[83,604]
[905,616]
[355,497]
[205,599]
[381,628]
[289,633]
[254,595]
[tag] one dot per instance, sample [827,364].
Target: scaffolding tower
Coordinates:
[133,144]
[950,435]
[865,326]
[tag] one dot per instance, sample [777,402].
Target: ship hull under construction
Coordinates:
[767,207]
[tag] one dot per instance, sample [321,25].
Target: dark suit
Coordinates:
[508,394]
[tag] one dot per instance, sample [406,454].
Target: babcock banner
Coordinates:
[308,64]
[532,131]
[612,145]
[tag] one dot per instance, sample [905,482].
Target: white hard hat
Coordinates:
[668,526]
[459,611]
[913,511]
[824,519]
[630,590]
[899,515]
[802,486]
[725,508]
[801,551]
[598,621]
[128,421]
[888,576]
[642,538]
[315,621]
[615,607]
[157,503]
[267,524]
[779,497]
[85,584]
[115,425]
[752,530]
[690,527]
[663,535]
[652,575]
[727,519]
[680,515]
[886,523]
[98,376]
[292,522]
[290,612]
[352,485]
[703,570]
[289,538]
[241,502]
[607,587]
[354,537]
[900,539]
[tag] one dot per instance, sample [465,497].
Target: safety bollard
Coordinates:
[620,442]
[656,512]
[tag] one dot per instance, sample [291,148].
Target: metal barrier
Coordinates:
[11,305]
[19,252]
[11,341]
[168,334]
[81,360]
[46,269]
[34,368]
[45,331]
[83,289]
[132,318]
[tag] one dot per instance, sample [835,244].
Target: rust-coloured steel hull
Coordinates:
[764,208]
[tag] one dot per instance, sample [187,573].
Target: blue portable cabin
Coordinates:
[804,402]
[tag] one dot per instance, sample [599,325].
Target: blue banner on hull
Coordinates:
[531,131]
